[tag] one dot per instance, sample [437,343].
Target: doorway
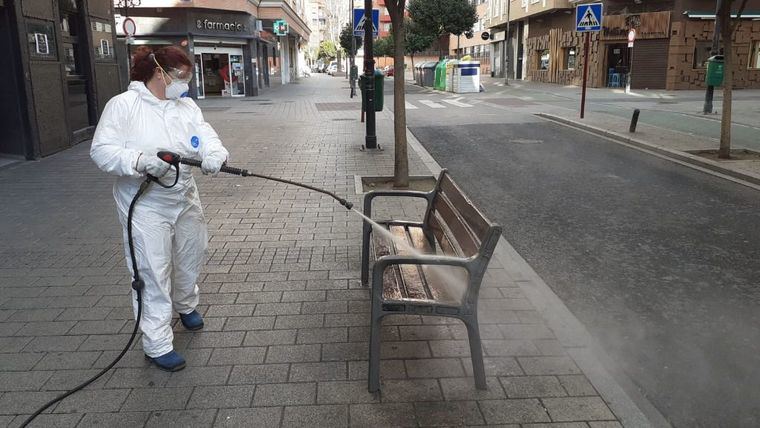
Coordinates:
[618,65]
[219,72]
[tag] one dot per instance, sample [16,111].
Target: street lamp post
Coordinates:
[370,140]
[506,48]
[708,106]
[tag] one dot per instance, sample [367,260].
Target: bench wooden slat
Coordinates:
[391,276]
[474,218]
[411,280]
[433,275]
[460,231]
[441,236]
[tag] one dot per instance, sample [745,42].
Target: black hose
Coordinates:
[245,173]
[137,285]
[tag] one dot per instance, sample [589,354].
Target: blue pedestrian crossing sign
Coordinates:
[359,22]
[588,17]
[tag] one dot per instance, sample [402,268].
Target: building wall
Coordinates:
[556,32]
[14,138]
[56,107]
[685,36]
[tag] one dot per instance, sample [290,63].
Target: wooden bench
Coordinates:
[438,271]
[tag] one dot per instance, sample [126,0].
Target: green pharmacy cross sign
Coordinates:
[280,27]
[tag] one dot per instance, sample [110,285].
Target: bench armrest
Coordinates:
[404,193]
[425,259]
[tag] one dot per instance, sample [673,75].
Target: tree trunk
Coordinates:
[401,162]
[724,152]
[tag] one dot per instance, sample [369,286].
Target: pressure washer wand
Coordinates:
[174,159]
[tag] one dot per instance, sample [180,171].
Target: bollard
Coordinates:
[634,121]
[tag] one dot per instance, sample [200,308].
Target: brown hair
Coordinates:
[144,66]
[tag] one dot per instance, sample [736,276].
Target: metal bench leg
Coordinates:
[374,353]
[367,229]
[476,352]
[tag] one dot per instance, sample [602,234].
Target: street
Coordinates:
[657,260]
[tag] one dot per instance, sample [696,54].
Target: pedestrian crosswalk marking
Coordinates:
[456,102]
[432,104]
[410,106]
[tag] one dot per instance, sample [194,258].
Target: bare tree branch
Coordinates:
[738,15]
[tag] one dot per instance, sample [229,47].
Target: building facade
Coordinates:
[60,70]
[233,42]
[478,46]
[673,40]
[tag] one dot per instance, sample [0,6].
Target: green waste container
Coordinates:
[379,80]
[715,70]
[440,75]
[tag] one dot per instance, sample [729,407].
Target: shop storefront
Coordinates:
[226,47]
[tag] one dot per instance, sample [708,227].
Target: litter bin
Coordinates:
[379,80]
[450,67]
[428,73]
[466,77]
[715,70]
[440,75]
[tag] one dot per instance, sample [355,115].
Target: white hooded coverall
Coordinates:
[168,226]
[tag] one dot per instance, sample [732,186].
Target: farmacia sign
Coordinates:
[205,24]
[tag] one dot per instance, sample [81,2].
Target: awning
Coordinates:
[694,14]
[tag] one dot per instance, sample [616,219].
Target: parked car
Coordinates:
[388,71]
[332,68]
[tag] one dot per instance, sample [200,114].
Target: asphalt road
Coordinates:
[659,261]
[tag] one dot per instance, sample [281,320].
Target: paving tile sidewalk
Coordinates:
[286,334]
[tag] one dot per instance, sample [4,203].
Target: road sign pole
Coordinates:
[630,74]
[585,73]
[370,140]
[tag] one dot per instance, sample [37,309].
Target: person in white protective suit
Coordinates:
[169,229]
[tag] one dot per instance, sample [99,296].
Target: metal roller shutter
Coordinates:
[650,64]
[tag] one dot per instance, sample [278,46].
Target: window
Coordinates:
[41,39]
[543,59]
[754,55]
[701,54]
[102,41]
[570,57]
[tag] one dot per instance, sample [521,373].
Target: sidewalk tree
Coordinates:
[727,28]
[383,47]
[396,10]
[346,40]
[443,17]
[415,39]
[327,50]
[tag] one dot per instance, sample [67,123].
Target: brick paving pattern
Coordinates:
[287,322]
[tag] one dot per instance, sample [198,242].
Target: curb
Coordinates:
[747,179]
[616,389]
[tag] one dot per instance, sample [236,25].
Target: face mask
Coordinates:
[177,90]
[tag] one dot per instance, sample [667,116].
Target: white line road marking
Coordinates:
[432,104]
[410,106]
[456,102]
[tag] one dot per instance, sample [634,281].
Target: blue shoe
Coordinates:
[170,362]
[192,321]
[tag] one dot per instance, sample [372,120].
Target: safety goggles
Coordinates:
[183,76]
[175,74]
